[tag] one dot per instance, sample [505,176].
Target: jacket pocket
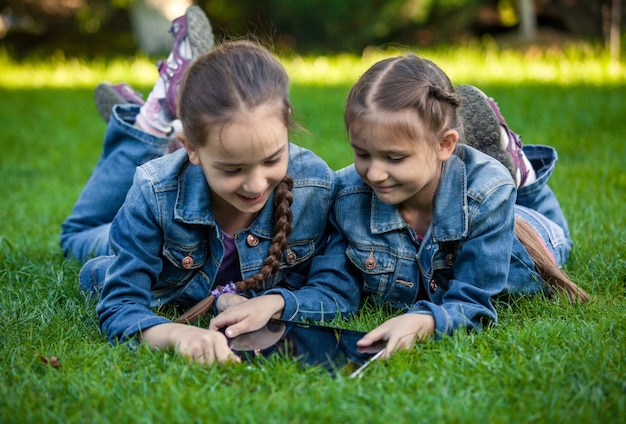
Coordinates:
[377,268]
[181,263]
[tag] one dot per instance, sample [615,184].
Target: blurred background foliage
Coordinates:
[100,28]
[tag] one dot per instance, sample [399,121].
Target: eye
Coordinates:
[395,159]
[273,161]
[360,155]
[231,171]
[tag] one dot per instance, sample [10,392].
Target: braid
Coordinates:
[554,278]
[443,95]
[282,229]
[283,215]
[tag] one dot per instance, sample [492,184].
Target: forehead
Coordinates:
[399,128]
[249,136]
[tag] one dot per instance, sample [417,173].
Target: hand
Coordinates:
[195,343]
[400,332]
[228,299]
[248,316]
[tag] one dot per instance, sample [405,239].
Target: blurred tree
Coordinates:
[113,27]
[151,20]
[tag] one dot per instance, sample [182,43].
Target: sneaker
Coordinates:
[486,130]
[107,95]
[193,36]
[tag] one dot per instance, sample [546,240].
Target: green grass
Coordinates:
[546,361]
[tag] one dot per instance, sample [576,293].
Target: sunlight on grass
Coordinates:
[573,65]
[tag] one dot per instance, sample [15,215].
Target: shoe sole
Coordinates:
[105,98]
[481,125]
[199,31]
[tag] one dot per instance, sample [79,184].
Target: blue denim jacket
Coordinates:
[465,257]
[168,246]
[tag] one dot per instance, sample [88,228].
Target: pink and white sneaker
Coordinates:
[193,36]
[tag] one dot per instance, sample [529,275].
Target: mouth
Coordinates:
[382,189]
[251,200]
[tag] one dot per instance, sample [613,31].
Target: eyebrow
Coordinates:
[268,157]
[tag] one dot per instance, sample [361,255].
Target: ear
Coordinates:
[447,145]
[192,151]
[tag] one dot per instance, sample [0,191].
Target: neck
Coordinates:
[229,219]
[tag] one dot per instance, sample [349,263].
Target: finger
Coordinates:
[222,320]
[225,355]
[236,329]
[372,337]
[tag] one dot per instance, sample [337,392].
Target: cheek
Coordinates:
[219,183]
[361,167]
[277,173]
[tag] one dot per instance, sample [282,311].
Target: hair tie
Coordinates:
[228,288]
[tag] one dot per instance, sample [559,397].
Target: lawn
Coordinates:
[546,361]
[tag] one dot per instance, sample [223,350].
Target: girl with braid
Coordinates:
[434,226]
[237,211]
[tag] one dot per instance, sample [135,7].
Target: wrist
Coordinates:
[277,305]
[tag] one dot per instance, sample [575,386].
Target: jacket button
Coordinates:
[433,286]
[449,259]
[187,262]
[291,258]
[370,263]
[252,240]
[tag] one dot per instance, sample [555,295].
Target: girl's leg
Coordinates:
[136,133]
[85,232]
[530,165]
[486,130]
[554,239]
[538,196]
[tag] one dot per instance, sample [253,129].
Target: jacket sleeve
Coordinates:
[136,238]
[333,288]
[481,268]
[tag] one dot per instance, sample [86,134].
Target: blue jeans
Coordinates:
[85,233]
[537,204]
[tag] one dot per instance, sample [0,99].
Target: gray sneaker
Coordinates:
[107,95]
[482,127]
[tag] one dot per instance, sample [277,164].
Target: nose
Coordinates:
[255,182]
[376,171]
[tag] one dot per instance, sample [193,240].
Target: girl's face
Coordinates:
[245,161]
[401,170]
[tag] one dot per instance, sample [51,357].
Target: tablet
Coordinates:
[332,348]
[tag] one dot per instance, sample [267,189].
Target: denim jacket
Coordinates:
[464,258]
[168,246]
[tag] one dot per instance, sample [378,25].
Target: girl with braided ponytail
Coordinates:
[238,214]
[434,226]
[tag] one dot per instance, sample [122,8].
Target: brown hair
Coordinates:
[553,277]
[405,83]
[237,76]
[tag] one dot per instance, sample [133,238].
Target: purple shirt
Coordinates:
[229,270]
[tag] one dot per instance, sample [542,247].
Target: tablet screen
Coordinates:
[330,347]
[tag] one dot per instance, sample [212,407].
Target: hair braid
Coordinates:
[440,93]
[282,229]
[283,198]
[554,278]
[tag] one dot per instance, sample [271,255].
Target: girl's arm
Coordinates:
[481,268]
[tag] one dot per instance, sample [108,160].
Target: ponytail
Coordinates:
[283,198]
[554,278]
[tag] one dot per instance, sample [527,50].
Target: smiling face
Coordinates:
[398,158]
[244,160]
